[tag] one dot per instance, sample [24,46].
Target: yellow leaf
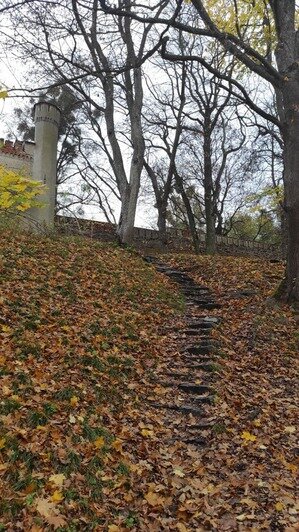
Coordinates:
[2,443]
[99,442]
[15,397]
[57,480]
[208,489]
[257,422]
[113,528]
[279,506]
[147,432]
[247,436]
[117,445]
[6,329]
[178,472]
[74,400]
[3,94]
[290,430]
[57,496]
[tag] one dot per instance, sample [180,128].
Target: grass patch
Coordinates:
[78,332]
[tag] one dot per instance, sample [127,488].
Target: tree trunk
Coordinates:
[190,215]
[162,213]
[290,288]
[208,194]
[125,228]
[283,232]
[219,226]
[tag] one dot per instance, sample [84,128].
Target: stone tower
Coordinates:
[44,167]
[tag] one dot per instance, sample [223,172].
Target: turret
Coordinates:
[47,118]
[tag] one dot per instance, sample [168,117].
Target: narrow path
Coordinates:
[192,374]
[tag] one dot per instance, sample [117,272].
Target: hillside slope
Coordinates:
[79,325]
[88,333]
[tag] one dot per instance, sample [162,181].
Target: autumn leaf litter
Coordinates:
[85,328]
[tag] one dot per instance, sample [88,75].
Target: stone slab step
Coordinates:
[209,305]
[203,349]
[195,388]
[206,366]
[185,409]
[201,324]
[198,442]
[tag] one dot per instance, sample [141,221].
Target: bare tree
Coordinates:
[191,122]
[98,57]
[283,77]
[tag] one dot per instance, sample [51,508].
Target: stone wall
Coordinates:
[149,239]
[18,156]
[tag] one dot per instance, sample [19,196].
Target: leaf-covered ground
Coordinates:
[85,329]
[253,462]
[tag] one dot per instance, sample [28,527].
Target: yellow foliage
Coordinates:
[253,21]
[18,192]
[3,94]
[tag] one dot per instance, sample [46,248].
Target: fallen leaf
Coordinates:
[6,328]
[249,502]
[279,507]
[147,432]
[248,437]
[44,507]
[99,442]
[74,400]
[117,445]
[58,480]
[178,472]
[181,527]
[290,430]
[241,517]
[57,521]
[57,496]
[154,499]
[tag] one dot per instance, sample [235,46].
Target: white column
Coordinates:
[47,118]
